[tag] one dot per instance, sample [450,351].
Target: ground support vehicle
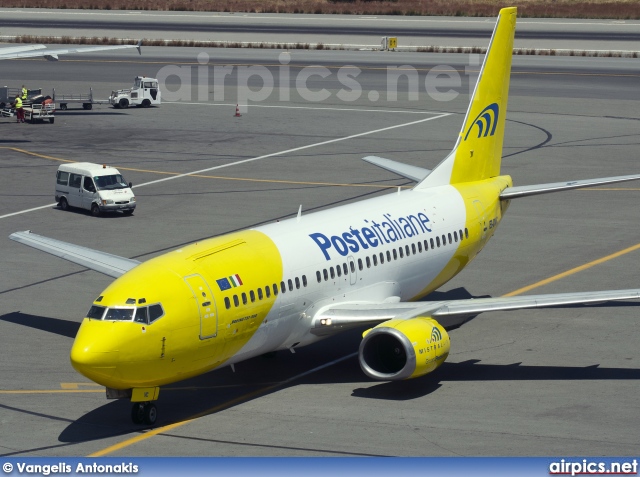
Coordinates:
[86,100]
[40,112]
[144,93]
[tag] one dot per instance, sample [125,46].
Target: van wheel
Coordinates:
[128,212]
[146,103]
[63,204]
[123,103]
[95,210]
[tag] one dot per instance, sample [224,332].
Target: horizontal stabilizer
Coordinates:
[102,262]
[413,173]
[525,191]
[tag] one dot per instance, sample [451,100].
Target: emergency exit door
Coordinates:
[206,306]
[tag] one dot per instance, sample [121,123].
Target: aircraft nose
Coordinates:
[94,354]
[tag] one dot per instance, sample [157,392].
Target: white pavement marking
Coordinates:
[314,108]
[273,154]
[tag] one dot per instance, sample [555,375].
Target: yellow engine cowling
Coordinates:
[403,349]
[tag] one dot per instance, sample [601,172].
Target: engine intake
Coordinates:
[403,349]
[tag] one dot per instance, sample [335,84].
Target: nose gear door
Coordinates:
[206,306]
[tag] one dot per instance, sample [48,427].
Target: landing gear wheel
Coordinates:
[138,413]
[64,205]
[150,413]
[95,210]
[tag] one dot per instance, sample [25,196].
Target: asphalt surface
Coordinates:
[548,382]
[313,29]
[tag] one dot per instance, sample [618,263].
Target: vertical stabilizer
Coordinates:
[478,150]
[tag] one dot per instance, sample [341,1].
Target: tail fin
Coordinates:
[478,150]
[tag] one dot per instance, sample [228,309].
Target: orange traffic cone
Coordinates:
[238,111]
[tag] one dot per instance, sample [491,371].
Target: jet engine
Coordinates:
[403,349]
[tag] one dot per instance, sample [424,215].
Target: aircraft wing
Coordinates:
[102,262]
[451,313]
[414,173]
[30,51]
[525,191]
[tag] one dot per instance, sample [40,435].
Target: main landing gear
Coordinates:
[144,413]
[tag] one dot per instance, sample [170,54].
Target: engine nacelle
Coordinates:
[403,349]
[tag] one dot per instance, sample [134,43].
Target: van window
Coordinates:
[87,185]
[75,180]
[63,178]
[110,182]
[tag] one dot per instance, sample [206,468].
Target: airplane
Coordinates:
[291,283]
[31,51]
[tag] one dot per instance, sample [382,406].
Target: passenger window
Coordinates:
[400,252]
[227,302]
[413,248]
[142,315]
[455,235]
[304,280]
[326,274]
[259,293]
[236,302]
[466,233]
[339,271]
[360,267]
[297,283]
[368,262]
[438,241]
[406,247]
[267,291]
[282,287]
[426,245]
[431,242]
[450,241]
[381,258]
[252,296]
[345,269]
[395,254]
[275,290]
[353,267]
[388,256]
[290,284]
[419,247]
[244,298]
[375,260]
[75,180]
[319,277]
[155,312]
[63,178]
[332,272]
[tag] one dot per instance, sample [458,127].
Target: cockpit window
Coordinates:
[119,314]
[155,312]
[96,312]
[142,315]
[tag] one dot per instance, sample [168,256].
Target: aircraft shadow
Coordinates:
[44,323]
[223,389]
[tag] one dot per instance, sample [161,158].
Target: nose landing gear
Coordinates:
[144,413]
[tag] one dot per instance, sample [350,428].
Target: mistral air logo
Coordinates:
[373,234]
[436,335]
[486,121]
